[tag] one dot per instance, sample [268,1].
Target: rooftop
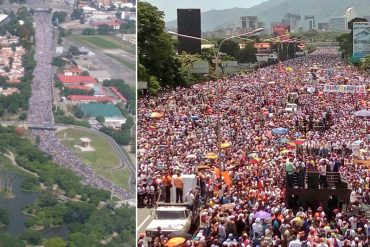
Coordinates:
[105,110]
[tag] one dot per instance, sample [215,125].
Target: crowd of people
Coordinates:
[40,111]
[230,124]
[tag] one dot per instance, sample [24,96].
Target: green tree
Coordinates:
[23,116]
[248,54]
[104,29]
[100,119]
[153,85]
[156,50]
[31,236]
[77,14]
[4,216]
[58,61]
[55,242]
[59,17]
[187,61]
[7,240]
[74,50]
[230,47]
[88,31]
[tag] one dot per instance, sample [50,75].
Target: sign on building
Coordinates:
[361,40]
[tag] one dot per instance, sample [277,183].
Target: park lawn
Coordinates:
[103,156]
[123,61]
[120,177]
[103,42]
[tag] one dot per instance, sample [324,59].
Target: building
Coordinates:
[337,24]
[118,94]
[309,24]
[88,98]
[323,27]
[292,20]
[74,71]
[115,24]
[3,18]
[350,14]
[77,80]
[249,23]
[112,115]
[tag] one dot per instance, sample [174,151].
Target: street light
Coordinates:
[216,56]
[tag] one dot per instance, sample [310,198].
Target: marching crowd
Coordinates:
[40,110]
[250,209]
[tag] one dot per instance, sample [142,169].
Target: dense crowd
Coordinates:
[40,112]
[322,136]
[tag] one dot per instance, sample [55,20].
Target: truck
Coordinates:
[171,218]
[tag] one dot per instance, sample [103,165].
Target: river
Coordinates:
[15,205]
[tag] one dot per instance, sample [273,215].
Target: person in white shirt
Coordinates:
[189,197]
[257,227]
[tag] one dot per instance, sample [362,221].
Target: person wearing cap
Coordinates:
[179,185]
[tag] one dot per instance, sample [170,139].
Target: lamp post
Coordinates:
[216,56]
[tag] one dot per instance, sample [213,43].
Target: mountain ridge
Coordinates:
[274,11]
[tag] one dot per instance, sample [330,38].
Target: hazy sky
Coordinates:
[169,6]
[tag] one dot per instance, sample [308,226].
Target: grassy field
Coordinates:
[103,42]
[103,160]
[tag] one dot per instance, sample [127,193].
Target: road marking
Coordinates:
[146,219]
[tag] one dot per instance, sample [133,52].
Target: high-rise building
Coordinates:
[309,22]
[350,14]
[188,23]
[249,23]
[337,24]
[292,21]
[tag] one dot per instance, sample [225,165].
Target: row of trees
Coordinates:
[87,224]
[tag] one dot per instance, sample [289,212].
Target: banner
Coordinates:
[361,40]
[344,88]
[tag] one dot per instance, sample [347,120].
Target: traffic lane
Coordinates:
[143,219]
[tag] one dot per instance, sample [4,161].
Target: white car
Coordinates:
[291,107]
[170,219]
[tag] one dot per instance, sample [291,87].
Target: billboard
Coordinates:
[345,89]
[280,29]
[361,40]
[189,23]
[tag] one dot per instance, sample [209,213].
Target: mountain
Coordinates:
[274,11]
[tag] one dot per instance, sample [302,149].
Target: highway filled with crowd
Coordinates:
[262,142]
[40,111]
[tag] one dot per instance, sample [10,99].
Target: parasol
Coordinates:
[280,131]
[173,242]
[156,115]
[211,156]
[299,141]
[362,113]
[262,215]
[225,145]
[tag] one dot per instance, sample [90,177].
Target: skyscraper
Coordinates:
[350,14]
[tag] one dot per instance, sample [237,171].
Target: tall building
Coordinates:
[249,23]
[350,14]
[337,24]
[188,23]
[292,21]
[309,23]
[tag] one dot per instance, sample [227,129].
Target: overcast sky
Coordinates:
[169,6]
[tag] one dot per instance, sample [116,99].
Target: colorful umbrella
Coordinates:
[262,215]
[299,141]
[211,156]
[194,117]
[285,151]
[203,167]
[283,140]
[173,242]
[280,131]
[156,115]
[225,145]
